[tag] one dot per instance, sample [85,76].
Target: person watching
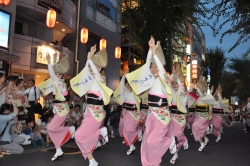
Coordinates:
[8,117]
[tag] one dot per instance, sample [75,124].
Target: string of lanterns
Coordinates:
[51,21]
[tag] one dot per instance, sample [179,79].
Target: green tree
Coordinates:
[164,19]
[215,60]
[228,84]
[241,71]
[237,14]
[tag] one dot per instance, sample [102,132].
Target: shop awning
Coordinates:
[8,57]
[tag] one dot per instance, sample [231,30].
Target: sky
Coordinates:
[227,42]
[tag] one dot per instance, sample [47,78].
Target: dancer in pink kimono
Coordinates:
[132,116]
[59,134]
[191,107]
[178,112]
[217,115]
[202,112]
[155,142]
[91,128]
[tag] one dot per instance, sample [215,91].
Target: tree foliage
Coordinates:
[164,19]
[215,61]
[228,84]
[237,14]
[241,72]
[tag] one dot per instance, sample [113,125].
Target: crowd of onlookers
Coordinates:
[242,114]
[22,113]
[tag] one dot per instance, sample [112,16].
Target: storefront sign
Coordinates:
[43,51]
[4,29]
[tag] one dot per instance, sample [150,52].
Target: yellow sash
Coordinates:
[169,94]
[106,92]
[46,87]
[81,82]
[144,97]
[141,79]
[119,93]
[181,100]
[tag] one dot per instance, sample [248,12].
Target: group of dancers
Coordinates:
[155,107]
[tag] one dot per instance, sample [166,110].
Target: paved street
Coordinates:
[234,149]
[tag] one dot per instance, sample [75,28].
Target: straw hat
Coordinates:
[202,84]
[178,69]
[159,54]
[100,58]
[62,66]
[218,90]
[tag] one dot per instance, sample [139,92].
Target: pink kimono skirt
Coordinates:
[142,122]
[130,129]
[200,125]
[58,133]
[121,123]
[155,143]
[87,134]
[191,116]
[178,131]
[217,123]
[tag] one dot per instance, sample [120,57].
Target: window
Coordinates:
[18,28]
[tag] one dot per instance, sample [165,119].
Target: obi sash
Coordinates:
[174,110]
[217,111]
[94,99]
[191,109]
[144,107]
[128,106]
[156,101]
[201,108]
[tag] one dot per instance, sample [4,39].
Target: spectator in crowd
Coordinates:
[42,127]
[10,93]
[33,94]
[77,115]
[8,117]
[47,107]
[246,115]
[20,95]
[35,136]
[237,114]
[78,101]
[3,88]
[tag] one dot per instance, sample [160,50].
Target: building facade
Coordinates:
[29,39]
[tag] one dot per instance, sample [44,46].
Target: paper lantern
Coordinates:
[102,44]
[5,2]
[118,52]
[84,35]
[51,18]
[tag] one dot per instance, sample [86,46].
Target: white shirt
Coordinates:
[31,93]
[76,115]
